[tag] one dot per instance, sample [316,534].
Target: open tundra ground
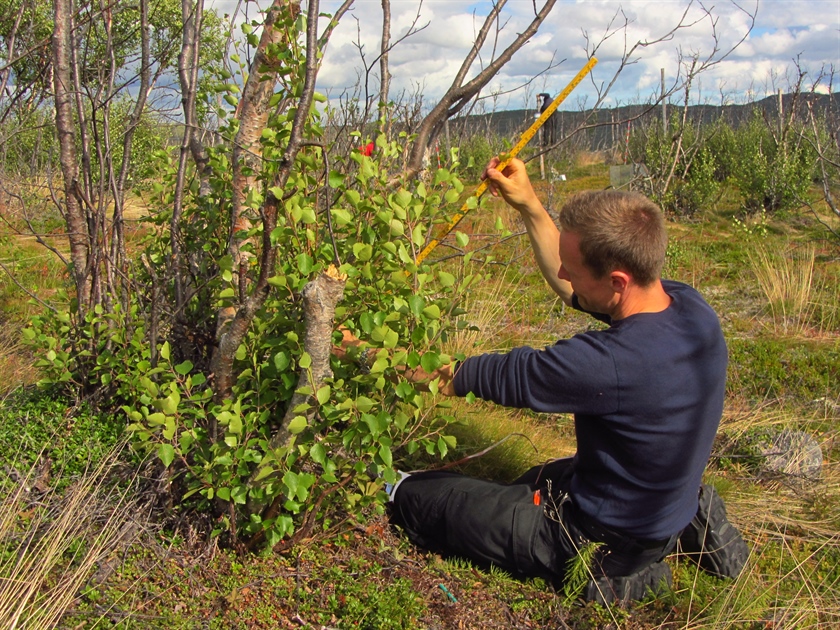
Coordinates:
[85,541]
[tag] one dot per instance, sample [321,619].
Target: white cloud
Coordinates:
[809,31]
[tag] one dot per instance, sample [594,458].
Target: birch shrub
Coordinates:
[772,169]
[346,437]
[203,334]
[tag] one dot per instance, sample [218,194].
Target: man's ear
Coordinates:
[620,280]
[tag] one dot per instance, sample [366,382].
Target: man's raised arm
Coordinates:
[515,188]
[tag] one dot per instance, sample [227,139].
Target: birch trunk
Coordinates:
[73,212]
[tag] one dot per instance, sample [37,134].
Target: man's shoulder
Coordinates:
[691,312]
[675,286]
[684,294]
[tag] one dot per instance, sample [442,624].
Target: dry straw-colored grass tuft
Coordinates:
[797,300]
[489,309]
[51,545]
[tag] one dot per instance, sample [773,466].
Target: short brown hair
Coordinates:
[618,230]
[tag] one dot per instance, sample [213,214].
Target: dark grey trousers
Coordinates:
[503,525]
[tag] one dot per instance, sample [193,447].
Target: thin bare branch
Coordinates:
[459,95]
[324,38]
[5,72]
[190,144]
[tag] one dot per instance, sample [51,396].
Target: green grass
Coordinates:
[36,426]
[348,581]
[768,368]
[29,271]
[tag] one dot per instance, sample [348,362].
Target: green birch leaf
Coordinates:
[446,279]
[166,453]
[336,179]
[297,424]
[385,455]
[430,361]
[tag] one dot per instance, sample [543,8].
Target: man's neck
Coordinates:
[636,299]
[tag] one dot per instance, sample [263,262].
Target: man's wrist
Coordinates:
[453,371]
[532,207]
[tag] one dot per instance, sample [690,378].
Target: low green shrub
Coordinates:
[691,164]
[772,172]
[773,368]
[475,152]
[342,441]
[683,174]
[42,424]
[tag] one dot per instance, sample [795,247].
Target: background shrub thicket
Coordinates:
[691,165]
[772,171]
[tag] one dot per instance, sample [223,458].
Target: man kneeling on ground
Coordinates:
[647,396]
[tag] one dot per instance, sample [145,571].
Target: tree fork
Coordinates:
[459,94]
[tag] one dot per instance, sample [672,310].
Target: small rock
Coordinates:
[794,453]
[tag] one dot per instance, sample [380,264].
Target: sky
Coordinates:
[427,61]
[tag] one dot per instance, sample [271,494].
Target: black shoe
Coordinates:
[655,578]
[711,540]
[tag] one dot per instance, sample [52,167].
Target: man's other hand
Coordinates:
[417,376]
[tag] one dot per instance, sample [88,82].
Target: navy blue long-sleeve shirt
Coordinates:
[647,396]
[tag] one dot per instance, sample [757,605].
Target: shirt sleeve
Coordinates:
[576,375]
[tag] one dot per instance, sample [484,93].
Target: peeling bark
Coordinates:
[234,322]
[320,297]
[253,113]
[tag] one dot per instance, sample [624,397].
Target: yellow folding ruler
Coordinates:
[524,140]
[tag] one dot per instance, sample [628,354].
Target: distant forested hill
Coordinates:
[607,127]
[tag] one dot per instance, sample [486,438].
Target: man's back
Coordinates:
[639,466]
[647,394]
